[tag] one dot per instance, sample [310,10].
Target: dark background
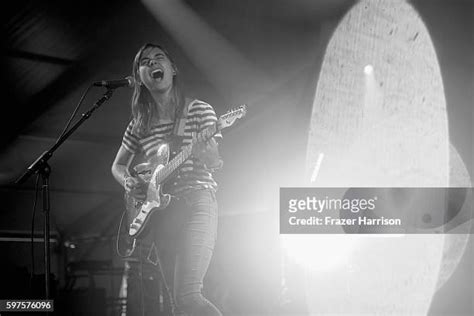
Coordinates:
[52,50]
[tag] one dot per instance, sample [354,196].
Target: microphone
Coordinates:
[112,84]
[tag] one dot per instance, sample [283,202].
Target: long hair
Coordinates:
[144,107]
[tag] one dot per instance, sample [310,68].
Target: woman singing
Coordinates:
[184,233]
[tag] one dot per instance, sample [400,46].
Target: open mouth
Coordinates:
[157,74]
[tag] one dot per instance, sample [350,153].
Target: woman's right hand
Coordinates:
[136,187]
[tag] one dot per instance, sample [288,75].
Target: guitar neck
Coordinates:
[184,154]
[224,121]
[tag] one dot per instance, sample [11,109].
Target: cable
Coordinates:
[128,253]
[32,272]
[74,113]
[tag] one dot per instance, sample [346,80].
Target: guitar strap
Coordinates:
[180,123]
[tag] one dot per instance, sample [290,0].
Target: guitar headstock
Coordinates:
[229,118]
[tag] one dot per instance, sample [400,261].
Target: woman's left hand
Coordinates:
[207,152]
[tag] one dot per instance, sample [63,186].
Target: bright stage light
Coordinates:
[376,132]
[319,252]
[368,69]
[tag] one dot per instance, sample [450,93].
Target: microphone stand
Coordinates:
[42,167]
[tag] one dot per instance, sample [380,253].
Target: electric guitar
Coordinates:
[159,169]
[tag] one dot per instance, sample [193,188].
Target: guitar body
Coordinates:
[139,211]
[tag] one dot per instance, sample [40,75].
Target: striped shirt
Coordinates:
[192,174]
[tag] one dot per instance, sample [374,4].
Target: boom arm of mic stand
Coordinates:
[44,157]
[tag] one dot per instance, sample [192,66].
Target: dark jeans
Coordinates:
[184,235]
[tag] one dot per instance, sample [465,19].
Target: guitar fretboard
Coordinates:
[183,155]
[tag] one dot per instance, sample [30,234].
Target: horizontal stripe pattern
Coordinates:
[192,174]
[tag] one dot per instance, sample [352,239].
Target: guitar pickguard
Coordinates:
[140,211]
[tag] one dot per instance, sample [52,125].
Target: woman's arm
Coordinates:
[120,170]
[121,165]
